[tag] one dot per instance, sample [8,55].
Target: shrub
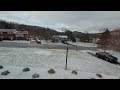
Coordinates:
[74,72]
[99,75]
[35,75]
[92,78]
[26,69]
[5,73]
[51,71]
[1,67]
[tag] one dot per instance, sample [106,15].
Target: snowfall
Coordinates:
[41,60]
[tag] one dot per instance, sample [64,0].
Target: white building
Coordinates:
[59,38]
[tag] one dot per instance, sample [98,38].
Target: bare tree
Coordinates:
[105,40]
[115,40]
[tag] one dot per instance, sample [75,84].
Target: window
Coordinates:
[9,32]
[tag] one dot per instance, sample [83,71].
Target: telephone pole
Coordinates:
[66,57]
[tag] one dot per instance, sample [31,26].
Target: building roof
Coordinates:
[8,30]
[22,32]
[62,36]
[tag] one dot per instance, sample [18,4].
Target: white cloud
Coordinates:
[90,21]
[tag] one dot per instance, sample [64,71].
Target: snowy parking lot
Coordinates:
[40,60]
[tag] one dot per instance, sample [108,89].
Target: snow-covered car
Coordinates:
[107,57]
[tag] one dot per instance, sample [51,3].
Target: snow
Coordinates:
[83,44]
[50,43]
[16,73]
[17,41]
[41,60]
[45,52]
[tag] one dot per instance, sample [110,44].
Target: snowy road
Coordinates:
[44,46]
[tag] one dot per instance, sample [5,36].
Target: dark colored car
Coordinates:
[107,57]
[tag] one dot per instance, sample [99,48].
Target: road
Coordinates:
[44,46]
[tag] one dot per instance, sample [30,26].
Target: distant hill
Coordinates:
[84,36]
[41,32]
[34,31]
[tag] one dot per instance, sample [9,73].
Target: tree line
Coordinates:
[34,31]
[106,39]
[110,40]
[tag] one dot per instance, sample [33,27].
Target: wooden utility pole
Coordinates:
[66,57]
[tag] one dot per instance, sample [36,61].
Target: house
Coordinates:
[13,34]
[59,38]
[6,34]
[22,35]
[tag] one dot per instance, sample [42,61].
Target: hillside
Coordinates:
[34,31]
[42,32]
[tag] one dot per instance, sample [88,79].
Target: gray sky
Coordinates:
[91,21]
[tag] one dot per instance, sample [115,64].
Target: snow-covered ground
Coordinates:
[17,41]
[16,73]
[75,43]
[41,60]
[83,44]
[50,43]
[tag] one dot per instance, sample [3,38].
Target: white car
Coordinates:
[38,41]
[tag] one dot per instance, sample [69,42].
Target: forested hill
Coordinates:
[42,32]
[34,31]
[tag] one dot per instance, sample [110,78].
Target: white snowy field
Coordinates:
[41,60]
[83,44]
[75,43]
[17,41]
[51,43]
[16,73]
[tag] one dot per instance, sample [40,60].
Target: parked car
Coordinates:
[38,41]
[107,57]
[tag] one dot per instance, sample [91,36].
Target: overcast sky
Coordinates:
[91,21]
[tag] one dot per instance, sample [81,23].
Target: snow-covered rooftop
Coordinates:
[61,36]
[8,30]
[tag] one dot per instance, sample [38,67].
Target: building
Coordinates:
[59,38]
[22,35]
[13,34]
[6,34]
